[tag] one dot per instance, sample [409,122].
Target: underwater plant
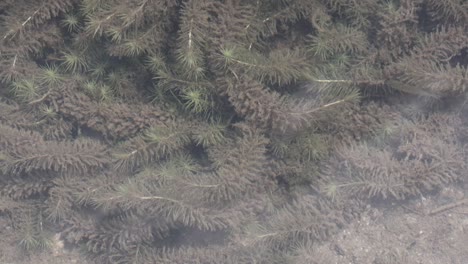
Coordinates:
[223,131]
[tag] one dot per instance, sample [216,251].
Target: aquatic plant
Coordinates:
[208,131]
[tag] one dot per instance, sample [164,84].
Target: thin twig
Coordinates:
[448,206]
[40,99]
[412,210]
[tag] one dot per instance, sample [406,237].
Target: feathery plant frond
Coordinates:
[116,34]
[358,13]
[80,156]
[195,96]
[175,171]
[9,138]
[74,62]
[47,111]
[196,101]
[213,253]
[60,200]
[121,83]
[80,191]
[26,90]
[90,6]
[311,147]
[155,63]
[308,253]
[37,14]
[168,139]
[71,22]
[155,143]
[96,26]
[441,45]
[282,113]
[134,15]
[382,177]
[239,167]
[105,93]
[306,220]
[210,134]
[330,91]
[338,40]
[13,67]
[452,11]
[432,79]
[191,38]
[280,67]
[98,70]
[169,79]
[50,75]
[172,82]
[33,236]
[423,161]
[90,88]
[131,46]
[368,184]
[281,146]
[177,167]
[335,85]
[149,199]
[115,78]
[98,91]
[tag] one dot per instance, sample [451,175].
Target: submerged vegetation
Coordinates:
[223,131]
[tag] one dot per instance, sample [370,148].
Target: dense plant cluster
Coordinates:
[223,131]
